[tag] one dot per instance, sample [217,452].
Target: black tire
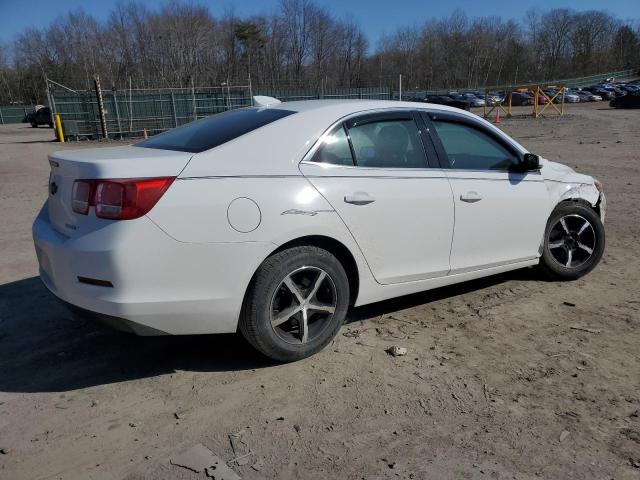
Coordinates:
[50,124]
[565,254]
[283,342]
[34,125]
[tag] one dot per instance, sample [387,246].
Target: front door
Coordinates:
[500,214]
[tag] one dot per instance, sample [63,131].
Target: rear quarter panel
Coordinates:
[198,211]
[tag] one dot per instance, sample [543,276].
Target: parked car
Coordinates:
[276,219]
[494,99]
[617,91]
[586,96]
[630,100]
[473,100]
[448,101]
[605,94]
[41,115]
[519,99]
[571,96]
[630,88]
[466,97]
[552,93]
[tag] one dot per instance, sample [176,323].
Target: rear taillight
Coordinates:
[119,199]
[81,198]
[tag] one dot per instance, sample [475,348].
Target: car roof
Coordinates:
[295,135]
[351,105]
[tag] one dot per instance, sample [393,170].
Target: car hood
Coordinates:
[562,173]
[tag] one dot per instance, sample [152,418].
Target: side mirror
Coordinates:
[530,162]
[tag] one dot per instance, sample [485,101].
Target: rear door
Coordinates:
[500,214]
[388,188]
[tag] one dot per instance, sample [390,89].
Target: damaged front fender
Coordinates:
[563,184]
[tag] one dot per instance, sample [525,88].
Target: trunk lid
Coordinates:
[101,163]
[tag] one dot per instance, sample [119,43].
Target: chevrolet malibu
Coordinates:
[275,219]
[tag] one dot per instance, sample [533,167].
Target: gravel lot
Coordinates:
[497,384]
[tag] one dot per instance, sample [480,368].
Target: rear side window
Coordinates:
[388,144]
[215,130]
[334,149]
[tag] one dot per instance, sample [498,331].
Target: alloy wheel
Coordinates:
[303,305]
[572,241]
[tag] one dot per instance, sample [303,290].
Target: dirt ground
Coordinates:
[497,384]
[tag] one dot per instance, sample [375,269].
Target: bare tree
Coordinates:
[303,44]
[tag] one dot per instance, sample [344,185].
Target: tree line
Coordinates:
[303,44]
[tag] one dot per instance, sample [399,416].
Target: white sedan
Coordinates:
[276,219]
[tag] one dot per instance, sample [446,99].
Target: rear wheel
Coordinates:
[573,243]
[296,303]
[34,125]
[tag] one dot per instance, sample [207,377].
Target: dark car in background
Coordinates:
[519,99]
[473,99]
[630,100]
[443,100]
[449,101]
[597,90]
[40,116]
[587,96]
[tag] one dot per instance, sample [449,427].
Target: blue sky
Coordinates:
[376,17]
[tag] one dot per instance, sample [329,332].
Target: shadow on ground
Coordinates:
[43,348]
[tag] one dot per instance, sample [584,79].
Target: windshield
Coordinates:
[215,130]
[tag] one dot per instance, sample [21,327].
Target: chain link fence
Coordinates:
[129,113]
[14,113]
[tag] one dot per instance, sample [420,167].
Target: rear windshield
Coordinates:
[215,130]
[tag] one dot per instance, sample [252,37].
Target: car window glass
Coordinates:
[334,149]
[388,144]
[471,149]
[215,130]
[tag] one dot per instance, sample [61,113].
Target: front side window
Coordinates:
[469,148]
[215,130]
[388,144]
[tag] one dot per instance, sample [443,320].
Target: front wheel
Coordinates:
[573,241]
[295,304]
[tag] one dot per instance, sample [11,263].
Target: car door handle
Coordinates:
[359,198]
[470,197]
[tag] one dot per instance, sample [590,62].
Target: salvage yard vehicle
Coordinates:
[41,115]
[448,101]
[587,96]
[519,99]
[571,96]
[630,100]
[276,219]
[473,100]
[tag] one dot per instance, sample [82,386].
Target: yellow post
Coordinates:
[59,128]
[484,107]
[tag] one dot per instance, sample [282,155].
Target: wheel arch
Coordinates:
[582,201]
[333,246]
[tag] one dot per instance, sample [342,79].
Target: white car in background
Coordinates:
[571,97]
[275,219]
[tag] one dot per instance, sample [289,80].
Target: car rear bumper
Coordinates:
[160,285]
